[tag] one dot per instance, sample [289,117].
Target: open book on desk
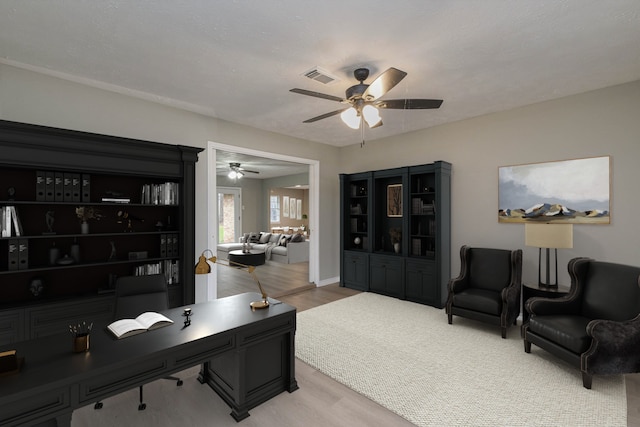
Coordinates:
[145,322]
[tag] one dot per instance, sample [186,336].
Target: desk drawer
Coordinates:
[267,328]
[201,351]
[35,408]
[117,381]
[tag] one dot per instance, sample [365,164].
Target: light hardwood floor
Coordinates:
[304,297]
[320,401]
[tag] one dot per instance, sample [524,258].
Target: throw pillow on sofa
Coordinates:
[264,237]
[254,237]
[284,240]
[275,238]
[297,238]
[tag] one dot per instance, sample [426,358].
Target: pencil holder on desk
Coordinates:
[81,343]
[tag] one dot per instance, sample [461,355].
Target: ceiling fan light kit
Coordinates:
[365,102]
[236,172]
[351,118]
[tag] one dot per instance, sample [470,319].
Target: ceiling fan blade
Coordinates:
[316,94]
[324,116]
[409,104]
[383,84]
[249,171]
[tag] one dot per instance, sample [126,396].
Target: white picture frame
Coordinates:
[299,209]
[285,206]
[292,208]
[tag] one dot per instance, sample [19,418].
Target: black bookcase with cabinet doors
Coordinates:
[395,232]
[141,196]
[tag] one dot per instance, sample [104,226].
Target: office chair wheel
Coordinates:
[142,407]
[179,383]
[98,405]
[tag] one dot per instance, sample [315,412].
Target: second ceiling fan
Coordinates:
[364,99]
[235,171]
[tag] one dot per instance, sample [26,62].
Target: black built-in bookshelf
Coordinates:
[395,232]
[141,195]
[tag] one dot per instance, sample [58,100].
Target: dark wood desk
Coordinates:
[247,357]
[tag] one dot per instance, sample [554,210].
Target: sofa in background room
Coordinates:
[284,248]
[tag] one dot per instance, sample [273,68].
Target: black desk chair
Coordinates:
[136,295]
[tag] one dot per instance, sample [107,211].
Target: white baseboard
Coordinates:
[330,281]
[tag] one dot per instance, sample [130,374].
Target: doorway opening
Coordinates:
[313,223]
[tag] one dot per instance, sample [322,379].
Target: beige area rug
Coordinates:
[406,357]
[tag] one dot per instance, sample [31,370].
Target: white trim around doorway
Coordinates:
[314,201]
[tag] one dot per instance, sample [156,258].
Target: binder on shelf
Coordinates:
[13,255]
[49,187]
[23,254]
[176,251]
[163,245]
[75,187]
[169,246]
[67,185]
[40,186]
[58,185]
[86,187]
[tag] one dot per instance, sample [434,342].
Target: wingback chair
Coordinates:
[596,327]
[488,287]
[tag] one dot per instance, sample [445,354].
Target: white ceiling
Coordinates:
[237,60]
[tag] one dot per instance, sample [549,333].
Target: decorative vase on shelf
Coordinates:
[396,247]
[74,251]
[84,227]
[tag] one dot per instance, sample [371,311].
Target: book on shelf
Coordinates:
[116,199]
[160,194]
[11,224]
[147,321]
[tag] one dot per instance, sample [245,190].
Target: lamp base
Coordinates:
[547,285]
[259,304]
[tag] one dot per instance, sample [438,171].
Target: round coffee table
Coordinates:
[247,258]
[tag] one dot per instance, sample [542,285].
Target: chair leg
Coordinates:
[450,317]
[586,380]
[176,379]
[504,332]
[142,406]
[527,346]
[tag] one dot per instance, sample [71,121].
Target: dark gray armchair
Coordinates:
[596,327]
[488,287]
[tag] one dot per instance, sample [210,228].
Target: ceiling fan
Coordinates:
[364,99]
[235,171]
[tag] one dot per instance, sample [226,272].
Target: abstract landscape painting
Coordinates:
[569,191]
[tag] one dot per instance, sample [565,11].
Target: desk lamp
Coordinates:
[203,267]
[548,236]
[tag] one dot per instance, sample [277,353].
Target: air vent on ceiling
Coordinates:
[320,75]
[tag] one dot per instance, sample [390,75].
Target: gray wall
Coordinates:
[602,122]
